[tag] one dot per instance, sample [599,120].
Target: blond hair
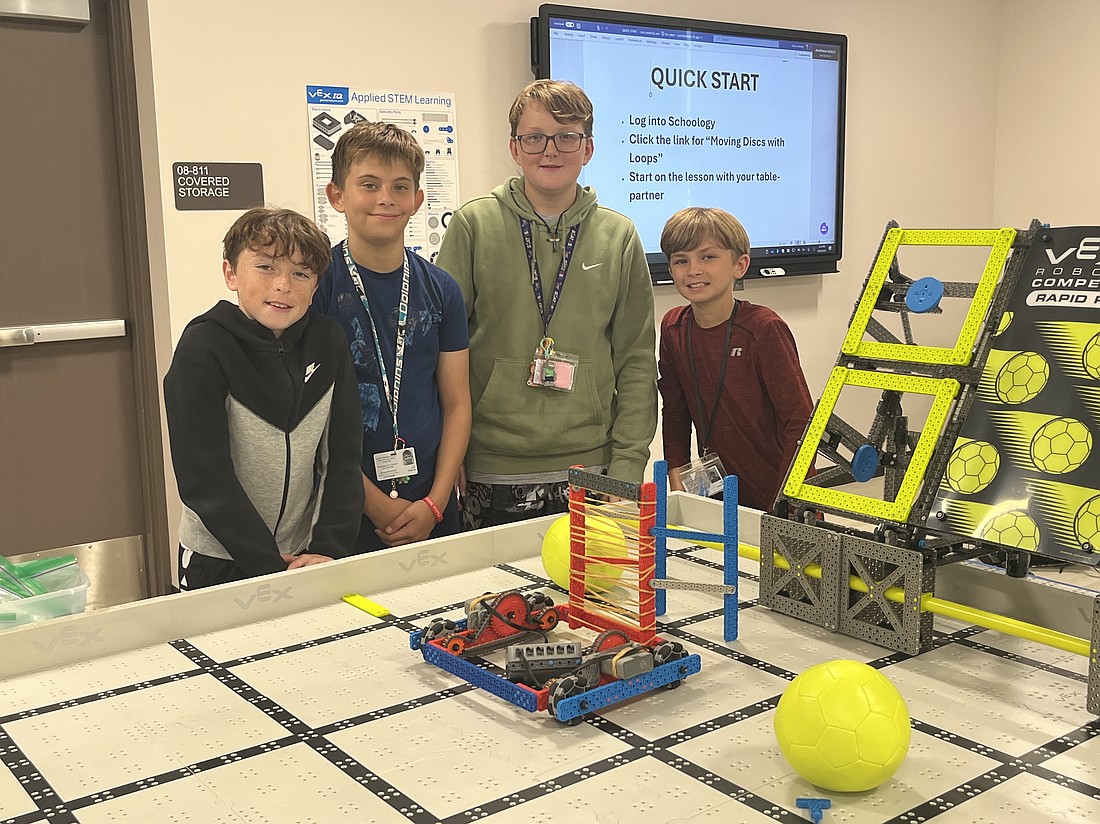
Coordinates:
[566,102]
[387,142]
[287,233]
[690,227]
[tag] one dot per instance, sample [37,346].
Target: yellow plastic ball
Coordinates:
[603,538]
[843,726]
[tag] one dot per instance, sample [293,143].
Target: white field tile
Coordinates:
[277,633]
[14,799]
[343,679]
[292,784]
[721,686]
[107,743]
[747,754]
[471,749]
[40,689]
[1003,704]
[643,790]
[1081,762]
[1024,798]
[1035,651]
[786,642]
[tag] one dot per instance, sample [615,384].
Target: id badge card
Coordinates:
[551,369]
[703,476]
[397,464]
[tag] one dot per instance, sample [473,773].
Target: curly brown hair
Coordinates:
[287,233]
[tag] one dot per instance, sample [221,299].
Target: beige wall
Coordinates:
[1048,115]
[940,102]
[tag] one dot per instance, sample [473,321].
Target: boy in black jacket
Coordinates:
[263,414]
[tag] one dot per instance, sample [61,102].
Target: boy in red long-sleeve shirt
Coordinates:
[728,367]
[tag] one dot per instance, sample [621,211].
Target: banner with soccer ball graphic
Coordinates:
[1023,472]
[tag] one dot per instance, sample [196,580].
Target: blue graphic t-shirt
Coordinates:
[436,323]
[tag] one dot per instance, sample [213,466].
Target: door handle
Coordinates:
[16,336]
[49,11]
[78,330]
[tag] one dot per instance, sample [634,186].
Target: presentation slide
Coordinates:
[749,128]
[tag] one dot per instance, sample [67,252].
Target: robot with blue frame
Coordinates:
[1002,461]
[627,658]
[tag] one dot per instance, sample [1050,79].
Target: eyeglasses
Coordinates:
[535,143]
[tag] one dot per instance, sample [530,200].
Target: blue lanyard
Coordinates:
[393,396]
[546,313]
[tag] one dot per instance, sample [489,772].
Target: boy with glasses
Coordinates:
[560,308]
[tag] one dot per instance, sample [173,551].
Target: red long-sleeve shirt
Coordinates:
[765,402]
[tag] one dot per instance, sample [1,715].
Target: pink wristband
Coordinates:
[435,509]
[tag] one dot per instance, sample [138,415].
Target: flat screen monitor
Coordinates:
[709,113]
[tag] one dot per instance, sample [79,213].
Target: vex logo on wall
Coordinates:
[337,95]
[70,636]
[424,558]
[263,594]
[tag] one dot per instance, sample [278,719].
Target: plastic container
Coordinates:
[67,594]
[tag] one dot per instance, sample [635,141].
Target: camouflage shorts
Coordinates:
[495,504]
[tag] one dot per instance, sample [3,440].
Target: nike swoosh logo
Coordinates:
[587,266]
[310,370]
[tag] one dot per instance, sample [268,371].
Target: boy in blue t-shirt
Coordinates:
[405,321]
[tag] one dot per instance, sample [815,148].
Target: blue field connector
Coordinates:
[730,558]
[660,542]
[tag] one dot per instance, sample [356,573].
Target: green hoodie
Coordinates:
[604,317]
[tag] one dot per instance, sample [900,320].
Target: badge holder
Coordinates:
[703,476]
[396,466]
[551,369]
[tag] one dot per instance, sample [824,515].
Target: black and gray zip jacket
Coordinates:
[266,439]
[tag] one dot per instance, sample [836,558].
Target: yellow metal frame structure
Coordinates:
[1000,241]
[944,392]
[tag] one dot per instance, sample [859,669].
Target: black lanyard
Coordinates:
[547,312]
[706,433]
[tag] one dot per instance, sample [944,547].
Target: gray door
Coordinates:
[80,457]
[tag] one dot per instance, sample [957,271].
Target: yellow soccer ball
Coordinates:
[603,538]
[843,726]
